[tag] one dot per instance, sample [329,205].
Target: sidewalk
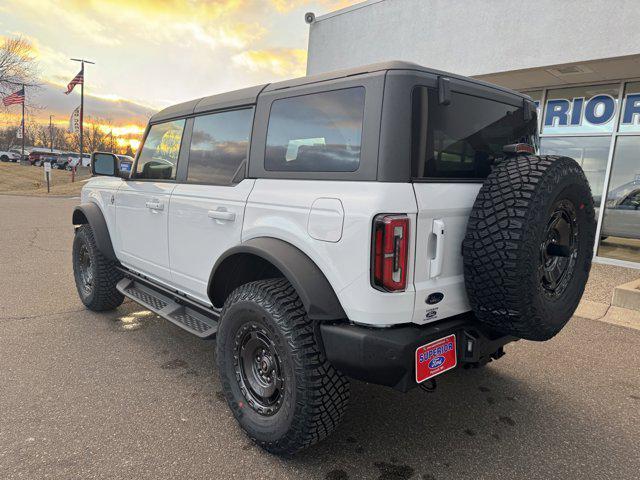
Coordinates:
[596,302]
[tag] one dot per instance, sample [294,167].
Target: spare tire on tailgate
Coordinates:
[528,246]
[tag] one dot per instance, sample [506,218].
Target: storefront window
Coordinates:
[590,152]
[574,110]
[630,121]
[580,122]
[620,233]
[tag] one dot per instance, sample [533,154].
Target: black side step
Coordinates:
[193,321]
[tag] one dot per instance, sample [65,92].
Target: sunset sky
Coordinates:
[153,53]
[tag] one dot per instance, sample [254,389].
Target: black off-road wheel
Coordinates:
[528,246]
[96,276]
[280,387]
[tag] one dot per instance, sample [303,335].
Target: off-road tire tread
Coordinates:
[106,277]
[322,391]
[499,248]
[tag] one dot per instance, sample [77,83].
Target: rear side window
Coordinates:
[462,140]
[319,132]
[159,155]
[219,147]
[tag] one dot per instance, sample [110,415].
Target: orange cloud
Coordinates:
[279,61]
[211,23]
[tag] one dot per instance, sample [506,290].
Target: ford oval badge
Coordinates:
[435,298]
[436,362]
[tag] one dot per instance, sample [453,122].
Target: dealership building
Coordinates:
[578,59]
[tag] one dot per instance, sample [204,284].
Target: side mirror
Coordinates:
[103,163]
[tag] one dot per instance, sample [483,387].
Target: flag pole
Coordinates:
[81,110]
[82,61]
[22,126]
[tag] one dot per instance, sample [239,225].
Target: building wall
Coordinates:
[579,59]
[475,37]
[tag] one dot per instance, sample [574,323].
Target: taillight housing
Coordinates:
[516,148]
[390,252]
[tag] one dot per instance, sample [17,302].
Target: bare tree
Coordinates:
[95,138]
[8,138]
[18,65]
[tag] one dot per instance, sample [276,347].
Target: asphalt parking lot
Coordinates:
[128,395]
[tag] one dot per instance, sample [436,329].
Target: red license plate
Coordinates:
[435,358]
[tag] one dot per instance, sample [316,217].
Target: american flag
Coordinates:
[77,80]
[14,98]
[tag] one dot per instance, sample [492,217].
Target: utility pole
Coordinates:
[82,61]
[51,133]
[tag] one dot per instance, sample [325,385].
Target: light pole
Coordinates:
[51,133]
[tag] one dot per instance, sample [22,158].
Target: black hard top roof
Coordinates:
[248,96]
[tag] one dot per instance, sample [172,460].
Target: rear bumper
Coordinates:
[386,356]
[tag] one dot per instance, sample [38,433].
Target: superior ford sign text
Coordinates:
[597,111]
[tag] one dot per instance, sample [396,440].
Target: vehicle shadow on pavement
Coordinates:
[477,423]
[500,421]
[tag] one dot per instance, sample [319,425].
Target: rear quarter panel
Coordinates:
[282,209]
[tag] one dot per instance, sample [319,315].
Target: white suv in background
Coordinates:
[9,156]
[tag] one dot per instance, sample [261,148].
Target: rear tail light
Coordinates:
[389,252]
[516,148]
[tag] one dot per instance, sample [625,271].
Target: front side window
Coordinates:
[462,140]
[319,132]
[159,155]
[219,147]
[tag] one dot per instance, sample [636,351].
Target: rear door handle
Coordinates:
[435,269]
[222,215]
[155,205]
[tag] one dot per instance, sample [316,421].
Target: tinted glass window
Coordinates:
[320,132]
[159,156]
[620,231]
[219,147]
[464,138]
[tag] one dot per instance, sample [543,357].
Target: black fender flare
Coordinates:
[313,288]
[90,213]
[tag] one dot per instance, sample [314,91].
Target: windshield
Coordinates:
[462,140]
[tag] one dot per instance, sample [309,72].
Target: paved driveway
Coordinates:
[128,395]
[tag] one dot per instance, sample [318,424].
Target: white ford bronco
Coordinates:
[387,223]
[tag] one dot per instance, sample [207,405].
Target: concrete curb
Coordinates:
[627,295]
[603,312]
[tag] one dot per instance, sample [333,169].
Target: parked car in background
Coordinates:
[61,161]
[18,153]
[38,157]
[8,156]
[21,156]
[621,211]
[74,160]
[622,216]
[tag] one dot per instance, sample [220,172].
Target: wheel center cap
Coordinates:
[265,365]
